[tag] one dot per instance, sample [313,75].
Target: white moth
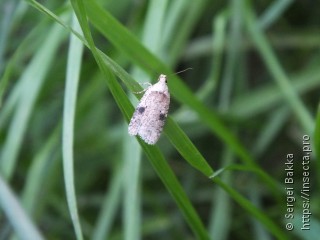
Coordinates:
[150,115]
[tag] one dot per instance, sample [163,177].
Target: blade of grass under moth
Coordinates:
[169,179]
[186,148]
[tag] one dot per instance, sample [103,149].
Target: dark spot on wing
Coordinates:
[141,109]
[162,116]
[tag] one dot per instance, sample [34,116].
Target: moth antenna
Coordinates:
[183,70]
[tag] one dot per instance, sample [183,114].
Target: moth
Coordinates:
[151,113]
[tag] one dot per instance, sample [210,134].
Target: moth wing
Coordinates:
[135,121]
[154,116]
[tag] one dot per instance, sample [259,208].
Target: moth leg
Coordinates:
[145,83]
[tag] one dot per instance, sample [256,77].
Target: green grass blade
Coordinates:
[170,181]
[152,36]
[270,130]
[72,80]
[32,80]
[186,148]
[270,225]
[38,172]
[181,30]
[232,55]
[277,71]
[273,12]
[27,47]
[246,106]
[7,9]
[111,203]
[132,192]
[13,210]
[221,213]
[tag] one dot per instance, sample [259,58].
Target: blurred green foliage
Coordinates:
[68,74]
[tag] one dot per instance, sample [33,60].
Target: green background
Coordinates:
[69,74]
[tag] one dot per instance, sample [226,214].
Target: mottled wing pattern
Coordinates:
[149,117]
[155,115]
[137,117]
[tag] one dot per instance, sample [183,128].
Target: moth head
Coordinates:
[161,85]
[163,78]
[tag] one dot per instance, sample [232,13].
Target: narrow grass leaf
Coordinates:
[170,181]
[7,9]
[246,106]
[27,47]
[131,186]
[221,213]
[24,227]
[182,28]
[229,73]
[111,203]
[72,80]
[271,130]
[186,148]
[276,70]
[38,171]
[273,13]
[32,78]
[153,29]
[255,212]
